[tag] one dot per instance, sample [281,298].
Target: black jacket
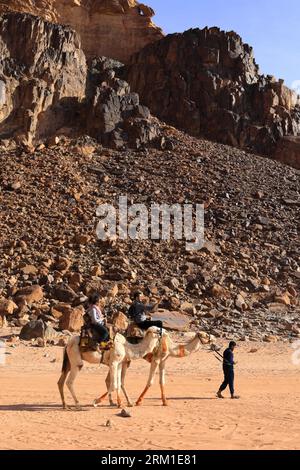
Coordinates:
[228,358]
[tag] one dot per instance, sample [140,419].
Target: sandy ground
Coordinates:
[266,417]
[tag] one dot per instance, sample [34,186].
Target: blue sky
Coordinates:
[272,27]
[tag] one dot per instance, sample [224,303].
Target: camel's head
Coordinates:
[214,347]
[155,332]
[205,338]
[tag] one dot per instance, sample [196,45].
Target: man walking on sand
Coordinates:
[228,369]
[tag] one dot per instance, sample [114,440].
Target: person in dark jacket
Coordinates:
[139,311]
[228,369]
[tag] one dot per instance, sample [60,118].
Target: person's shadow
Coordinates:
[183,398]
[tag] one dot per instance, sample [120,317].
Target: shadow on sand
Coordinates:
[56,407]
[170,399]
[45,407]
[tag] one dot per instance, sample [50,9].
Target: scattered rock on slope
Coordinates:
[244,283]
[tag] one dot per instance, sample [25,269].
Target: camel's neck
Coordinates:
[136,351]
[185,349]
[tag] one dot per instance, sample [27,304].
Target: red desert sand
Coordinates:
[266,417]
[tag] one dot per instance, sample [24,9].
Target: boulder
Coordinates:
[30,295]
[75,281]
[29,269]
[38,329]
[97,270]
[34,329]
[283,299]
[211,248]
[188,307]
[72,320]
[64,294]
[176,321]
[62,264]
[172,303]
[218,291]
[7,307]
[174,283]
[61,309]
[81,239]
[113,292]
[241,303]
[120,322]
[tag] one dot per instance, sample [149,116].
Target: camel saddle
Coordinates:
[134,334]
[90,341]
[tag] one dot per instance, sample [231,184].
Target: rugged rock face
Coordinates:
[114,115]
[47,88]
[208,83]
[288,151]
[42,76]
[112,28]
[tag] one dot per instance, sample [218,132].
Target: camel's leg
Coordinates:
[61,383]
[162,382]
[99,400]
[119,384]
[107,381]
[125,366]
[115,380]
[113,372]
[153,369]
[70,382]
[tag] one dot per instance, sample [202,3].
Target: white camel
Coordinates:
[118,359]
[167,348]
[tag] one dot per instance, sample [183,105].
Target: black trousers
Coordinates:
[228,379]
[101,333]
[148,323]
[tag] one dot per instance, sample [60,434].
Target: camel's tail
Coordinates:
[66,362]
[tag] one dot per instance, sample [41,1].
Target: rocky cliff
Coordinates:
[42,76]
[288,151]
[112,28]
[208,83]
[47,88]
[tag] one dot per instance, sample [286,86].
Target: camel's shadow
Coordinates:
[55,407]
[45,407]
